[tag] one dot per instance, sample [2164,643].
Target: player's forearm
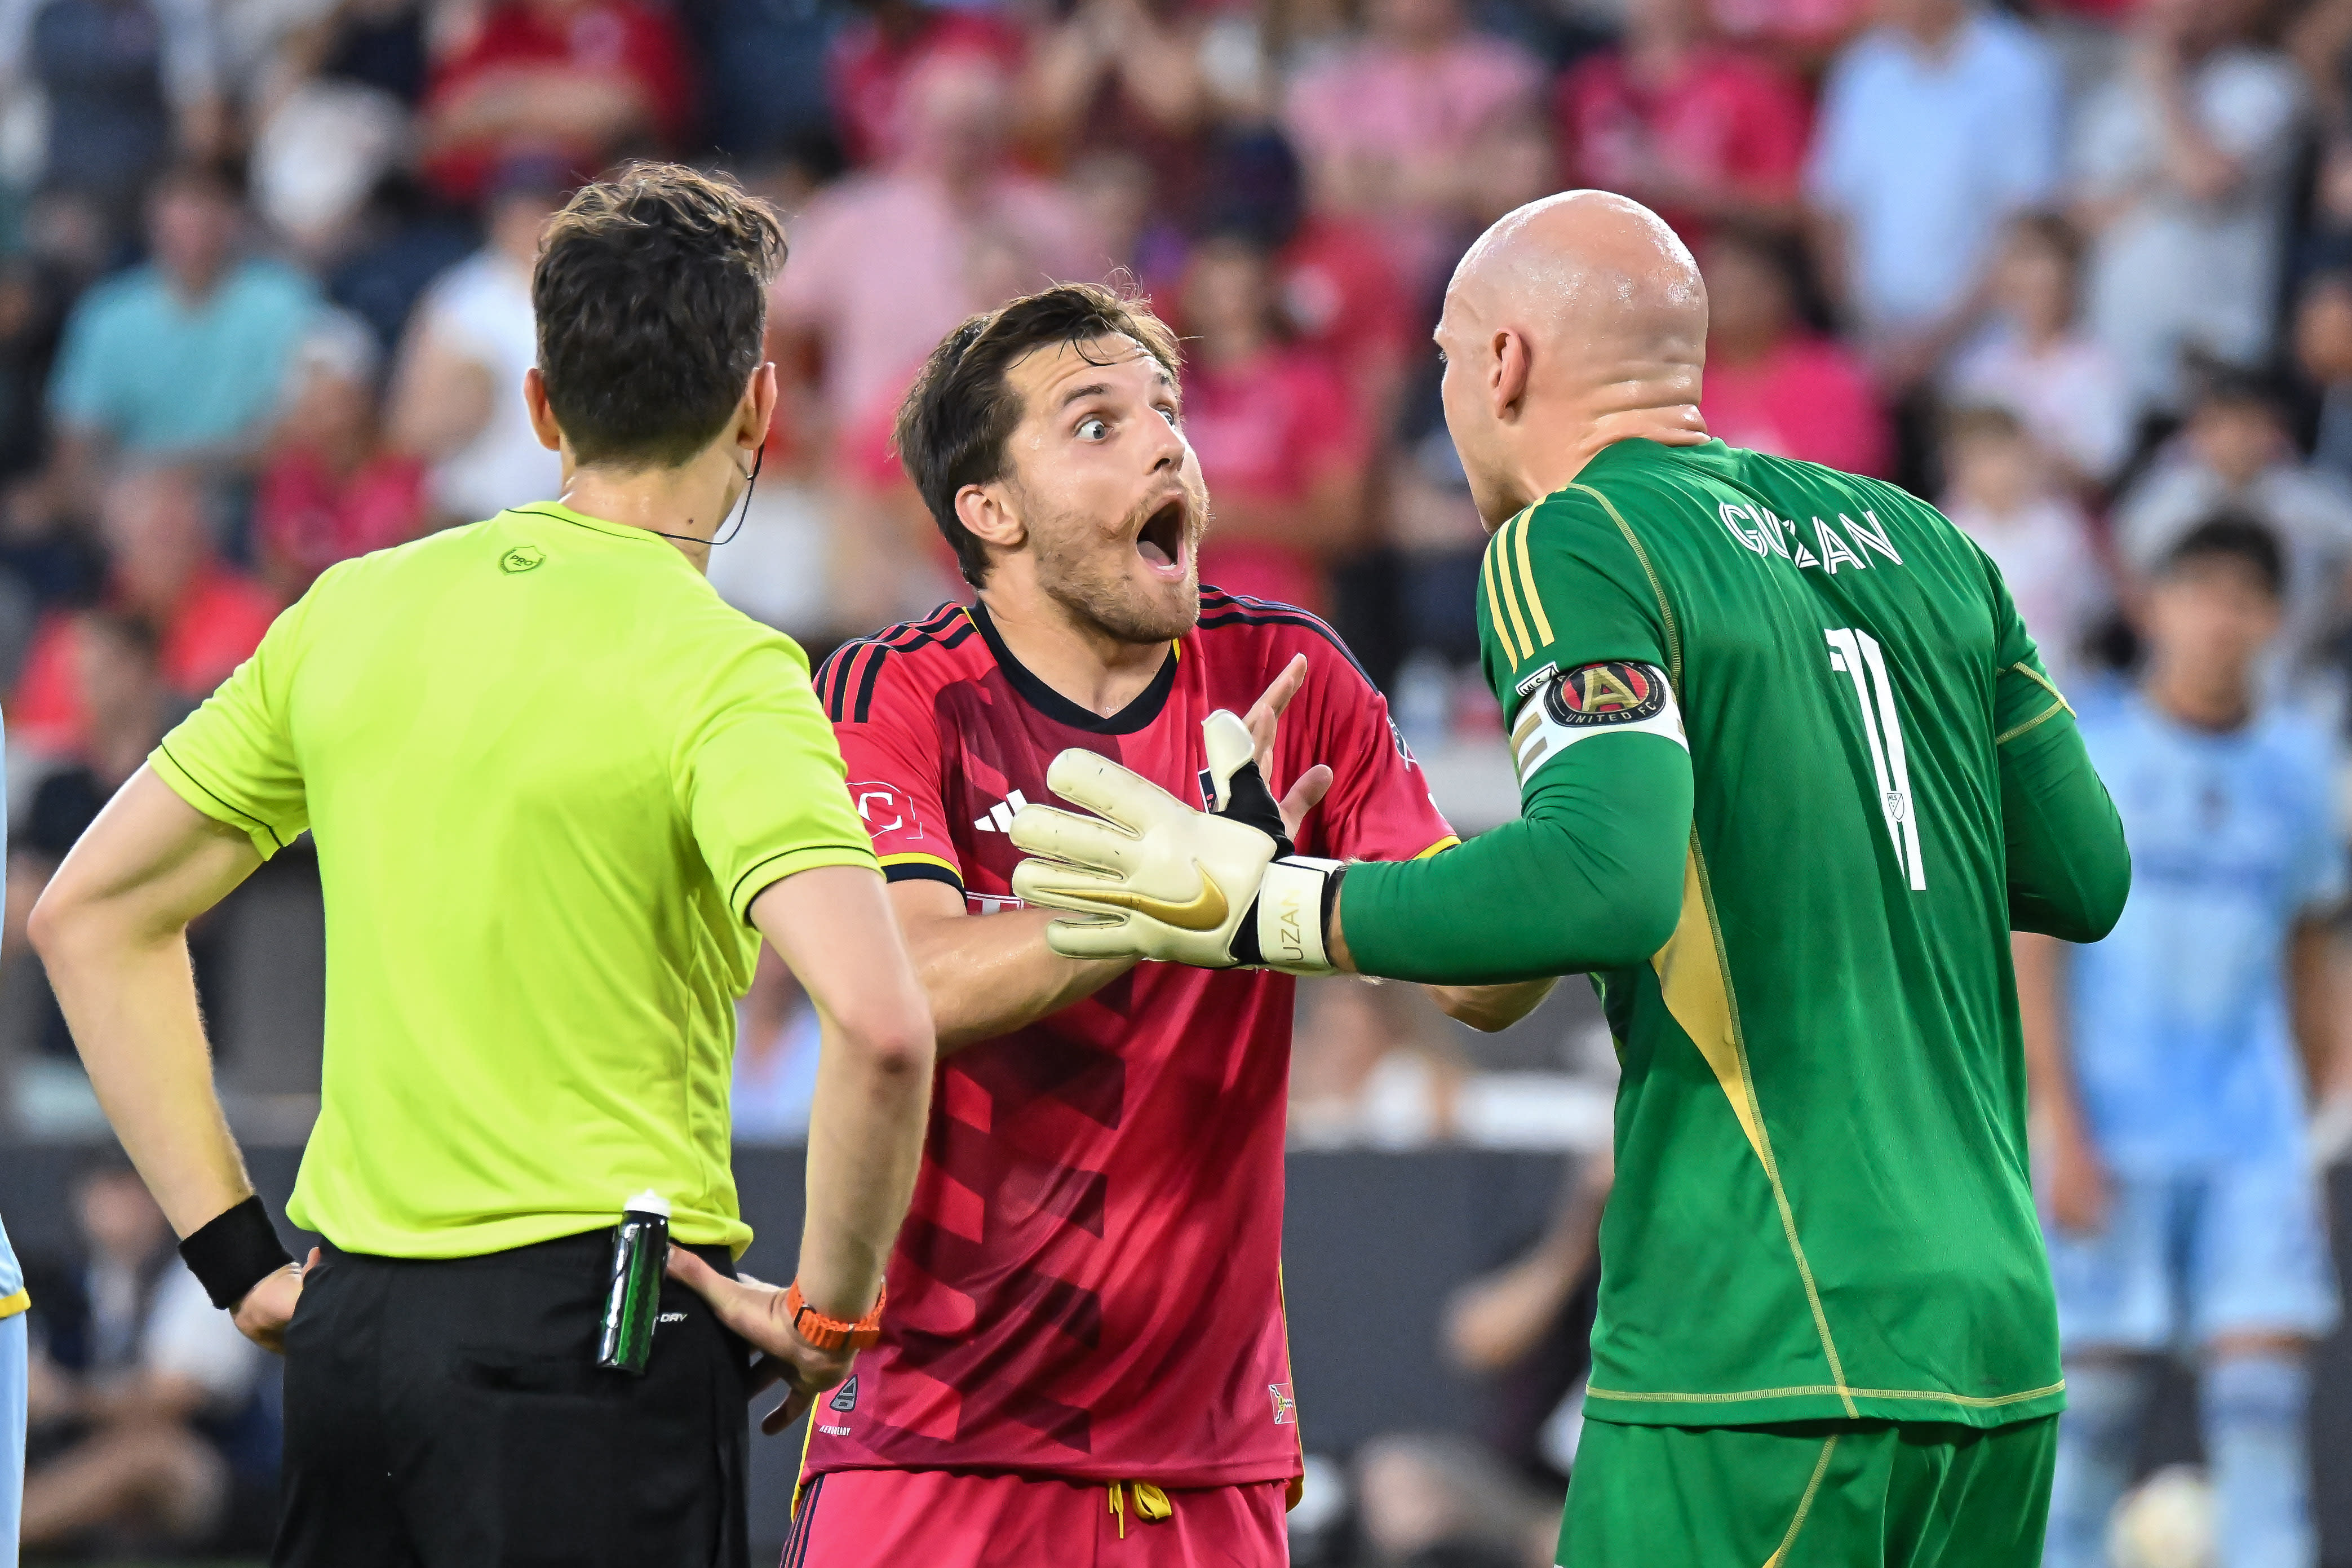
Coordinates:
[2315,991]
[112,931]
[2040,965]
[1491,1008]
[987,976]
[131,1008]
[1589,878]
[834,927]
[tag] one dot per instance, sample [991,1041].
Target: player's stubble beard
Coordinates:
[1091,579]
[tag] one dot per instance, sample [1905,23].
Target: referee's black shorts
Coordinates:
[449,1414]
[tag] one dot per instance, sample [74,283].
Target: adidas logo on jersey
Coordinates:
[999,815]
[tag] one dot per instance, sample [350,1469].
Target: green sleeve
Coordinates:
[2069,870]
[1590,876]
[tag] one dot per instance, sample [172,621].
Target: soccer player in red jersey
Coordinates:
[1084,1357]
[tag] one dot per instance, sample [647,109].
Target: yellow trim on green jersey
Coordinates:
[1524,525]
[1695,980]
[1448,842]
[1497,570]
[13,1303]
[2057,706]
[1674,634]
[1824,1390]
[1804,1504]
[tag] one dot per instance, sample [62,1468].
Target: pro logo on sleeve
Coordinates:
[1598,699]
[521,558]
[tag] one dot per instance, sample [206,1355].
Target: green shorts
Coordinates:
[1810,1494]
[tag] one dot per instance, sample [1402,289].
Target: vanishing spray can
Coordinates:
[633,1291]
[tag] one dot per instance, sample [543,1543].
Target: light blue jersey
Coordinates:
[2179,1027]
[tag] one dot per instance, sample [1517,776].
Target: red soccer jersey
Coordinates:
[1089,1283]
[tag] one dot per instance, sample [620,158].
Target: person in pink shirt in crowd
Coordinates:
[331,488]
[886,263]
[1385,124]
[2035,358]
[877,54]
[584,81]
[1282,448]
[208,617]
[1771,384]
[1691,127]
[1801,35]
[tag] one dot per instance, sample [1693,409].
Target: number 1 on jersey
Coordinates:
[1856,653]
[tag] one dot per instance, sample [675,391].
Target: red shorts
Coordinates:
[896,1518]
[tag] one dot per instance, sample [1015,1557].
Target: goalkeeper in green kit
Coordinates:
[1790,773]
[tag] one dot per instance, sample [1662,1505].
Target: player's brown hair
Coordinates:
[651,293]
[953,427]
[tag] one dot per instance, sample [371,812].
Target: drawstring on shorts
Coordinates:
[1151,1504]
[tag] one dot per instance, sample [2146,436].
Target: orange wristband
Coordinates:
[832,1333]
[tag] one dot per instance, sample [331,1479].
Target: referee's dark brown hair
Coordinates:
[651,291]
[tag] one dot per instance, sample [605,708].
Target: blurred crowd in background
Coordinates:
[2081,274]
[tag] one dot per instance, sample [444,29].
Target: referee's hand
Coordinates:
[755,1310]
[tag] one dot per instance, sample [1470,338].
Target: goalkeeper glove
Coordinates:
[1156,879]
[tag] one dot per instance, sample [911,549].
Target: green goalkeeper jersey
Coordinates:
[1823,1206]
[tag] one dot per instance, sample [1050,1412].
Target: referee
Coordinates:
[559,791]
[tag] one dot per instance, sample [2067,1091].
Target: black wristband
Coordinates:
[234,1251]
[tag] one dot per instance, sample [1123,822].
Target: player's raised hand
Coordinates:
[1152,877]
[1308,789]
[755,1310]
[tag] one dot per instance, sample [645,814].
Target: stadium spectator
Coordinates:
[886,46]
[1771,384]
[1282,448]
[331,488]
[1385,123]
[1935,127]
[206,617]
[2002,493]
[2236,455]
[127,709]
[456,398]
[2182,161]
[2323,352]
[2034,359]
[883,264]
[1126,73]
[146,1403]
[578,80]
[127,84]
[1692,128]
[1438,1497]
[2178,1192]
[181,359]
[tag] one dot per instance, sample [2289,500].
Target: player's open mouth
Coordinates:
[1160,541]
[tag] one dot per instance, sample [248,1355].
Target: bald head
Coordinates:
[1574,322]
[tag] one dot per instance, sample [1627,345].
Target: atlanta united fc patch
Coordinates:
[1610,696]
[1610,692]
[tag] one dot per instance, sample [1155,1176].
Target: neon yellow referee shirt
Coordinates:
[548,769]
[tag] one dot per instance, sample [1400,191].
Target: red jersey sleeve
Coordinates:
[1380,807]
[888,744]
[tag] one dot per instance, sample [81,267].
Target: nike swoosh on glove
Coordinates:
[1153,878]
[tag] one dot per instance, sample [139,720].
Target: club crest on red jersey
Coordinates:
[1614,691]
[884,808]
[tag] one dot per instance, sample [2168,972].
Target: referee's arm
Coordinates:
[112,931]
